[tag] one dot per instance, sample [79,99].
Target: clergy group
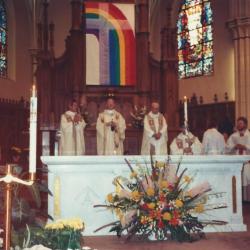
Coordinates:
[110,135]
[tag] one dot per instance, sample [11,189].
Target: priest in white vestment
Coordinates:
[213,142]
[239,143]
[185,144]
[110,128]
[155,132]
[72,132]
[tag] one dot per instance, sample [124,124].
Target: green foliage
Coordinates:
[158,201]
[62,234]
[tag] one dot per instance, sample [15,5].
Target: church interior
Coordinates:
[135,52]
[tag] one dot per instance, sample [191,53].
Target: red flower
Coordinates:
[160,224]
[144,206]
[152,214]
[176,214]
[174,222]
[161,198]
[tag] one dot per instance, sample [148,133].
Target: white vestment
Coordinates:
[213,142]
[153,124]
[110,140]
[243,139]
[72,135]
[183,141]
[246,181]
[237,138]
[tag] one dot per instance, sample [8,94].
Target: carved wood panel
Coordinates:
[14,127]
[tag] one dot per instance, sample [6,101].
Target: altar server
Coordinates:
[185,144]
[239,142]
[213,141]
[72,131]
[155,132]
[110,128]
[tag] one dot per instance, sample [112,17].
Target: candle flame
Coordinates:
[185,98]
[33,90]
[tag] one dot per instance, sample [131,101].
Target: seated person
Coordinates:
[185,144]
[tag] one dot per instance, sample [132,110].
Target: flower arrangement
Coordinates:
[158,202]
[62,234]
[138,115]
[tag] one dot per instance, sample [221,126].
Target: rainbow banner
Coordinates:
[110,44]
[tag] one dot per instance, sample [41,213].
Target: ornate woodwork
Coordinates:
[200,115]
[14,127]
[64,78]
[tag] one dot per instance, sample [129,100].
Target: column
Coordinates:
[169,76]
[240,28]
[142,46]
[76,53]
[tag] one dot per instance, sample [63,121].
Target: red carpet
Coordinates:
[213,241]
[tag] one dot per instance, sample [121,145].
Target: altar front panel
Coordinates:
[80,182]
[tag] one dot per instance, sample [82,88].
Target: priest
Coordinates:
[110,128]
[72,131]
[213,142]
[239,142]
[185,144]
[155,132]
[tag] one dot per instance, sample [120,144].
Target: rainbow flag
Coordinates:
[110,25]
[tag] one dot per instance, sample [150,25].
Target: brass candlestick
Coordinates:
[9,180]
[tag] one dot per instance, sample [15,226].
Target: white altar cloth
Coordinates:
[79,182]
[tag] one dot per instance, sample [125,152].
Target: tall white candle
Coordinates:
[33,130]
[185,112]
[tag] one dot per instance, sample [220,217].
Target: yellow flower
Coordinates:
[75,223]
[199,208]
[133,174]
[145,219]
[160,164]
[118,212]
[136,195]
[109,198]
[167,216]
[188,194]
[150,191]
[187,179]
[163,184]
[151,205]
[179,203]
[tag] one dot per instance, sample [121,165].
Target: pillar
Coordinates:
[142,47]
[169,76]
[240,29]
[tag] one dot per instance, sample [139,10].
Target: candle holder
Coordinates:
[9,179]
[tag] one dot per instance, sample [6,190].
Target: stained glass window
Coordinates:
[3,40]
[195,38]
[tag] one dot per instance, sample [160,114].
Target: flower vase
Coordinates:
[152,237]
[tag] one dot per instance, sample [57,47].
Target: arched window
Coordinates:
[3,39]
[195,38]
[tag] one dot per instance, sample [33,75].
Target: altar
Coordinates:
[80,182]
